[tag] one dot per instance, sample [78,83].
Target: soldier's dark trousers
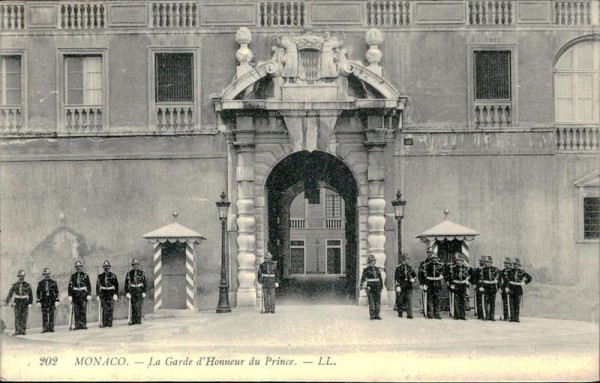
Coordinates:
[107,312]
[21,313]
[490,304]
[515,303]
[479,303]
[459,303]
[404,299]
[48,316]
[269,299]
[136,309]
[433,302]
[374,296]
[80,310]
[504,306]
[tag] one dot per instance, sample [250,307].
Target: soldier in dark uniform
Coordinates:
[107,290]
[268,277]
[23,299]
[477,281]
[432,278]
[47,298]
[503,287]
[422,279]
[136,288]
[80,292]
[517,278]
[490,279]
[371,281]
[459,277]
[404,277]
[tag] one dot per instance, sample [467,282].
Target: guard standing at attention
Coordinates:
[107,290]
[80,292]
[460,274]
[404,277]
[517,278]
[490,275]
[477,281]
[372,282]
[432,279]
[23,299]
[136,288]
[268,277]
[47,298]
[503,287]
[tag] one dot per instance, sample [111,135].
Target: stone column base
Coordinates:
[246,297]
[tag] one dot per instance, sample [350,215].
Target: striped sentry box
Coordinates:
[189,276]
[157,275]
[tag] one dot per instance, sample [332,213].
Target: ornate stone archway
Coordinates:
[308,96]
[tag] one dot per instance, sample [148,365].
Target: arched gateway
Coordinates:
[308,118]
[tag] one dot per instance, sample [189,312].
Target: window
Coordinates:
[591,218]
[174,77]
[83,80]
[334,256]
[492,75]
[491,84]
[576,85]
[333,206]
[297,257]
[10,81]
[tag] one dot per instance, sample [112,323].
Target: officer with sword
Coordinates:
[431,278]
[503,281]
[80,292]
[47,299]
[459,277]
[477,282]
[107,290]
[517,278]
[136,288]
[490,276]
[23,299]
[404,278]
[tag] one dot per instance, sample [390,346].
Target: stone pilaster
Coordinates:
[246,221]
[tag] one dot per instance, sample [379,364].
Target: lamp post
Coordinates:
[223,306]
[398,205]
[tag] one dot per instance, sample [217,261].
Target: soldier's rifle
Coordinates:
[508,305]
[99,312]
[71,317]
[129,310]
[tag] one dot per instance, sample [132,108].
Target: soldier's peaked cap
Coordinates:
[106,263]
[78,263]
[371,258]
[489,258]
[507,260]
[405,256]
[135,261]
[46,271]
[21,273]
[517,261]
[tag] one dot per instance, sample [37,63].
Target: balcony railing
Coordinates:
[174,14]
[333,223]
[175,118]
[573,12]
[12,16]
[297,223]
[577,138]
[317,223]
[84,119]
[282,13]
[82,15]
[491,12]
[11,119]
[388,13]
[493,114]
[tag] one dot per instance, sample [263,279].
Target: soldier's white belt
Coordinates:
[107,288]
[490,282]
[79,288]
[268,275]
[21,297]
[138,285]
[515,283]
[372,280]
[436,278]
[460,282]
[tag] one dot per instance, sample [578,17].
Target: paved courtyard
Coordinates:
[311,342]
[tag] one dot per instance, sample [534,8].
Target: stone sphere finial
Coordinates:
[243,36]
[373,37]
[175,215]
[446,212]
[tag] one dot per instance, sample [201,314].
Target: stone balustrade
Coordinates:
[491,12]
[84,119]
[388,13]
[175,117]
[297,223]
[12,16]
[278,14]
[492,114]
[333,223]
[174,14]
[82,15]
[573,12]
[282,13]
[11,119]
[577,138]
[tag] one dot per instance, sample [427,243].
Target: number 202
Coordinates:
[48,360]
